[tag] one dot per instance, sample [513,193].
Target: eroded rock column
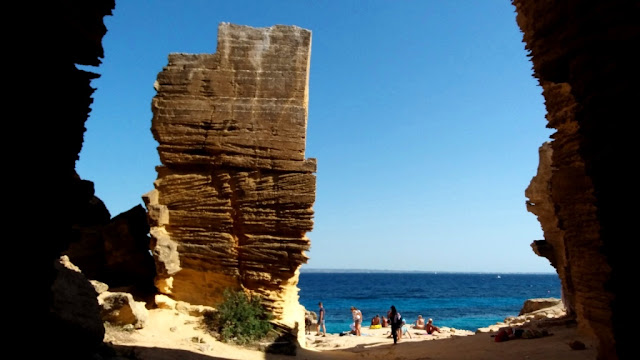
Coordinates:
[233,198]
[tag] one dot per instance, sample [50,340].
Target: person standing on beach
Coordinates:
[321,324]
[357,319]
[396,323]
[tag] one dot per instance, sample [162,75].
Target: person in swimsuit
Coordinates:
[375,322]
[357,319]
[431,328]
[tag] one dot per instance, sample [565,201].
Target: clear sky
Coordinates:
[424,118]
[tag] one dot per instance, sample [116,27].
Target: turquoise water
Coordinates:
[465,301]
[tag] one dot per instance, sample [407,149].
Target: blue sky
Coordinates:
[424,118]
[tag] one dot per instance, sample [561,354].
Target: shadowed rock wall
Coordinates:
[53,97]
[582,54]
[233,199]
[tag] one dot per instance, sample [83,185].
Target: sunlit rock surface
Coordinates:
[233,198]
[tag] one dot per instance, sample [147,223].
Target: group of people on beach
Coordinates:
[420,324]
[393,320]
[399,328]
[399,325]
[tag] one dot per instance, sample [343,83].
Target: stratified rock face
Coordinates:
[541,204]
[585,76]
[233,199]
[244,106]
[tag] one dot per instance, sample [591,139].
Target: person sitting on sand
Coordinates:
[419,324]
[431,328]
[375,322]
[404,330]
[384,322]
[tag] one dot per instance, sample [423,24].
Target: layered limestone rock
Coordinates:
[583,58]
[552,247]
[561,196]
[535,313]
[233,198]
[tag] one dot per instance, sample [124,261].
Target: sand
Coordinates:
[169,334]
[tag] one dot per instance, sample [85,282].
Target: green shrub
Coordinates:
[240,319]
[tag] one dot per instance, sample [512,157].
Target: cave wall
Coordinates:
[582,55]
[51,100]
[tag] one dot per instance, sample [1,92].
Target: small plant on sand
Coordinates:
[239,318]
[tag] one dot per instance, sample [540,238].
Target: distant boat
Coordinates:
[498,277]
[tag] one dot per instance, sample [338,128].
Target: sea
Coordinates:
[465,301]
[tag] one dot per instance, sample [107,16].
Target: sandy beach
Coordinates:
[170,334]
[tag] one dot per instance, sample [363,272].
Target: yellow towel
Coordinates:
[375,326]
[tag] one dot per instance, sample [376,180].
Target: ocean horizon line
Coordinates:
[317,270]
